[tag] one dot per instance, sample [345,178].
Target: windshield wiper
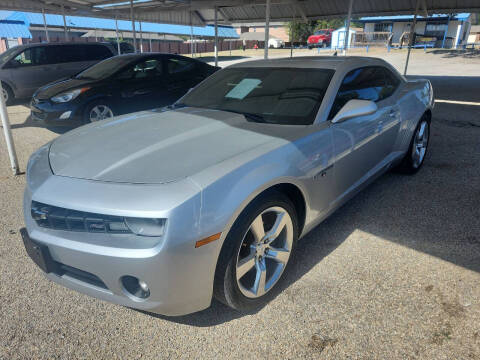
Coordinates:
[248,116]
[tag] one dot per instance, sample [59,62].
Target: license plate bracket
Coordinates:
[38,253]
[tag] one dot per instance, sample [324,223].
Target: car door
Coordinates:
[358,147]
[182,75]
[390,125]
[141,86]
[30,69]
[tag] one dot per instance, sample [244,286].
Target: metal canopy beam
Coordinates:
[235,11]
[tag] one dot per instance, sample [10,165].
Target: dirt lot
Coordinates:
[394,274]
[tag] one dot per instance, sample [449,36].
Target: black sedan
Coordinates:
[118,85]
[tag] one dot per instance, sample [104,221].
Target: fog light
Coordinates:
[65,115]
[135,287]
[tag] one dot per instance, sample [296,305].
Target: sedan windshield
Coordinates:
[105,68]
[320,32]
[289,96]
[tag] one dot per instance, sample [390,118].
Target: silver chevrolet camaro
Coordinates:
[161,210]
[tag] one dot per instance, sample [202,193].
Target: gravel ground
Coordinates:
[394,274]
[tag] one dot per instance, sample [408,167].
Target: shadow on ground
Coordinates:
[434,212]
[452,53]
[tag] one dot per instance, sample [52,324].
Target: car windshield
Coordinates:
[4,57]
[105,68]
[320,32]
[290,96]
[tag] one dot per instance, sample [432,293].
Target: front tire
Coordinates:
[256,253]
[97,111]
[415,156]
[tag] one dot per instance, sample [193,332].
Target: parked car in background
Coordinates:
[119,85]
[160,211]
[320,38]
[276,43]
[125,47]
[24,68]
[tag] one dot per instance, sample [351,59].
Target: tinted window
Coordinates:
[179,65]
[368,83]
[391,84]
[31,57]
[271,95]
[95,52]
[105,68]
[147,69]
[58,54]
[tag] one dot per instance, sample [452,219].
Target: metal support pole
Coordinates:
[96,38]
[410,39]
[141,38]
[150,43]
[445,33]
[8,134]
[133,26]
[191,35]
[216,36]
[64,24]
[45,25]
[116,33]
[267,29]
[347,28]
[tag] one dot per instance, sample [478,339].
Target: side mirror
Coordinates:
[355,108]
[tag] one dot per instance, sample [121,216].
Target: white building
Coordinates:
[449,31]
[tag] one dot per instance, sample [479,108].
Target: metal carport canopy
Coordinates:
[198,12]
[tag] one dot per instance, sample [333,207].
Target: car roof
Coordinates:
[25,46]
[321,62]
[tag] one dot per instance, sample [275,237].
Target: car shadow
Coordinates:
[434,212]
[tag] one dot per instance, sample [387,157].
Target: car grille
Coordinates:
[58,218]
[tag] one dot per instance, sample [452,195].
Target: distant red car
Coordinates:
[320,38]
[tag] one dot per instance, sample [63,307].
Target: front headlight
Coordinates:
[146,226]
[68,95]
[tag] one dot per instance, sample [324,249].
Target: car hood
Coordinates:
[52,89]
[153,146]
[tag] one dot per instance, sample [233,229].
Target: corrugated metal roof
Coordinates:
[251,11]
[14,29]
[199,12]
[123,25]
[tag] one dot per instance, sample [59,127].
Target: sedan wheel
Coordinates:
[420,143]
[264,252]
[256,253]
[100,112]
[413,160]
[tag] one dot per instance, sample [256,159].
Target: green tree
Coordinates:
[300,31]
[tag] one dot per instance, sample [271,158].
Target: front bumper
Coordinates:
[61,114]
[179,276]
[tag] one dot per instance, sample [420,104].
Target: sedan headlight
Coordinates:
[68,95]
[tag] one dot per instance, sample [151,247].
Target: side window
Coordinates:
[367,83]
[58,54]
[95,52]
[31,57]
[179,66]
[391,84]
[148,69]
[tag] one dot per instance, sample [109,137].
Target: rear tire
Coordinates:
[417,151]
[8,94]
[255,256]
